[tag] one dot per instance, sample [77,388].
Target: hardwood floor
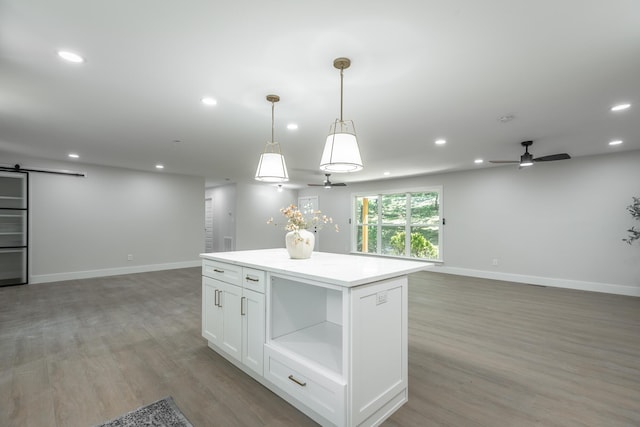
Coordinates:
[481,353]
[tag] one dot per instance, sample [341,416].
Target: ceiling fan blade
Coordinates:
[332,184]
[504,161]
[561,156]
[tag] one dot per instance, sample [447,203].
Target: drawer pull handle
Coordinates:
[251,279]
[218,271]
[297,381]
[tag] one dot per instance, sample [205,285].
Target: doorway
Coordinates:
[208,225]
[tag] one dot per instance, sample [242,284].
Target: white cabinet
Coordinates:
[319,392]
[341,352]
[230,301]
[327,334]
[233,312]
[211,312]
[253,330]
[379,350]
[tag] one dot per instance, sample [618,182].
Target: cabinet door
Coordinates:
[232,321]
[253,330]
[211,312]
[379,352]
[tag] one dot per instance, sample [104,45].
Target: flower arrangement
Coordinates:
[303,220]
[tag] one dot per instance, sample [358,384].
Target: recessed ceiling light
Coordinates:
[292,126]
[620,107]
[73,155]
[616,142]
[441,141]
[209,101]
[159,166]
[70,56]
[478,161]
[386,173]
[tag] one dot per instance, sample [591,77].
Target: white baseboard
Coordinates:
[543,281]
[88,274]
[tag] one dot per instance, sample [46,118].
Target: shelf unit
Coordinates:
[14,230]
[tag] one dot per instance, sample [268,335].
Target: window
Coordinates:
[402,224]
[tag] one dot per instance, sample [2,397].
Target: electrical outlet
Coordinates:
[495,261]
[130,257]
[381,297]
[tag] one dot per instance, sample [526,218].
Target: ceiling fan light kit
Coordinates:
[341,152]
[526,159]
[272,166]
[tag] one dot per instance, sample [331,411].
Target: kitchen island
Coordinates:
[328,334]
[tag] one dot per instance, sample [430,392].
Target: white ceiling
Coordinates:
[421,70]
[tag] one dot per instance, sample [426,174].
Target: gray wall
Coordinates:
[558,224]
[86,227]
[244,209]
[256,203]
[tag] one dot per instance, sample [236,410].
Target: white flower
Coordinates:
[296,220]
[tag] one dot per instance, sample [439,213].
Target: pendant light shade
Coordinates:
[341,152]
[271,166]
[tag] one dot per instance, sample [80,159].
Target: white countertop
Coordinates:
[338,269]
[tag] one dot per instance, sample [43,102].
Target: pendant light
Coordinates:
[341,152]
[272,167]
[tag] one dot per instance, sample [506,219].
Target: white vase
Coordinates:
[300,243]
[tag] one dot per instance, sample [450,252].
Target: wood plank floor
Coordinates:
[481,353]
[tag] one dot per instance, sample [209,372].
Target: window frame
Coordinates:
[355,222]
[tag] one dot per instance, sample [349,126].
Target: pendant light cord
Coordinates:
[273,104]
[341,90]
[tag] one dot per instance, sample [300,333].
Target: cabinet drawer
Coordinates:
[253,279]
[322,394]
[222,271]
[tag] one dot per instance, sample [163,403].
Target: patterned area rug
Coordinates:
[163,413]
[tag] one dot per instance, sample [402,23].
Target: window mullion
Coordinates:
[379,230]
[407,226]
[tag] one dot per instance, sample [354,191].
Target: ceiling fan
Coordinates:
[527,158]
[327,183]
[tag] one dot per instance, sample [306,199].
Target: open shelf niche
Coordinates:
[307,320]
